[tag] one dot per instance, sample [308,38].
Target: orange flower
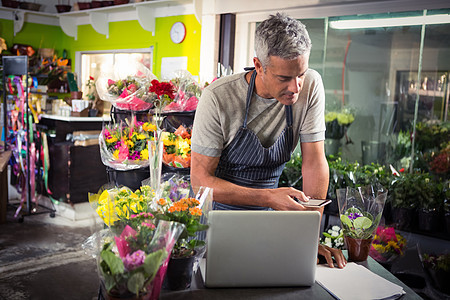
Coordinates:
[162,202]
[195,211]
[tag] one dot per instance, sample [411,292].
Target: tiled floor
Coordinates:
[42,257]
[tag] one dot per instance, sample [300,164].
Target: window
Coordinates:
[92,63]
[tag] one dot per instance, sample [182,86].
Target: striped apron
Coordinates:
[246,162]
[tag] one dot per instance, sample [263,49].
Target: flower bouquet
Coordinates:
[387,245]
[134,253]
[437,268]
[360,213]
[190,246]
[187,95]
[177,148]
[124,145]
[126,87]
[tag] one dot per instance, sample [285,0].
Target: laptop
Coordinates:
[261,248]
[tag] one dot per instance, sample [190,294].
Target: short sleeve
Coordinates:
[207,136]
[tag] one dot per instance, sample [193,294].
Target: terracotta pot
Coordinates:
[96,4]
[358,249]
[84,5]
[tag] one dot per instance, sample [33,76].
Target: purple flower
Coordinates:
[134,260]
[353,216]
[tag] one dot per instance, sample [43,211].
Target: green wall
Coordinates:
[122,35]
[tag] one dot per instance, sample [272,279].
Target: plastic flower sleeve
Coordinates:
[126,86]
[124,145]
[361,209]
[187,95]
[360,213]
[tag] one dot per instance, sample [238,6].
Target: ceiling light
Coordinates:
[390,22]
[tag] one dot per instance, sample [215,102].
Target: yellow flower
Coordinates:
[116,154]
[130,143]
[168,138]
[140,136]
[144,154]
[148,126]
[111,140]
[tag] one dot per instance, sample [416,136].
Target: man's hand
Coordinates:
[329,253]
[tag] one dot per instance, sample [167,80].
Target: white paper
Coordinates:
[356,282]
[170,65]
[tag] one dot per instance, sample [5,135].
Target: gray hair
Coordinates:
[281,36]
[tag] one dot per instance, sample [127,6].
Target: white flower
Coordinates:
[339,242]
[334,233]
[330,231]
[336,228]
[327,242]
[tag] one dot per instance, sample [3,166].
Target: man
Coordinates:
[248,124]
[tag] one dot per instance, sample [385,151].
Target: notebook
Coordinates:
[261,248]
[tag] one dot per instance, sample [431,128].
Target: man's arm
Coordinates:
[202,174]
[315,173]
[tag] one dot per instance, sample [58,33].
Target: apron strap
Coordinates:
[289,117]
[251,86]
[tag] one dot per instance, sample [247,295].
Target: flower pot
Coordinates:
[30,6]
[358,249]
[84,5]
[96,4]
[428,220]
[404,218]
[10,3]
[63,8]
[179,273]
[120,2]
[108,3]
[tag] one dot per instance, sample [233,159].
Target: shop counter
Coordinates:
[75,170]
[199,291]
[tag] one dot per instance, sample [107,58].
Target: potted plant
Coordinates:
[430,198]
[360,213]
[437,268]
[403,198]
[190,246]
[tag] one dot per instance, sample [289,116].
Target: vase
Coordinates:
[358,249]
[155,155]
[179,273]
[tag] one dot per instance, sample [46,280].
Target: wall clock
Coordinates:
[178,32]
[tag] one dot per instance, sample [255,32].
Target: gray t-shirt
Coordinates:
[221,112]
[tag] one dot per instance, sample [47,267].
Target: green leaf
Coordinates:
[346,221]
[109,282]
[136,282]
[362,223]
[353,210]
[114,263]
[153,261]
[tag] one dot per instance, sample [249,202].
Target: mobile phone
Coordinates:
[313,202]
[316,202]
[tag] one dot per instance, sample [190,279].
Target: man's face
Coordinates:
[283,79]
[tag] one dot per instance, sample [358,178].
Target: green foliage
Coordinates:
[416,190]
[437,262]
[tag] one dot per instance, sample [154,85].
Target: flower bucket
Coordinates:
[360,213]
[428,219]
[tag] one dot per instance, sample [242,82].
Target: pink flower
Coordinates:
[123,150]
[111,82]
[134,260]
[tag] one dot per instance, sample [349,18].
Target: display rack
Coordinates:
[18,66]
